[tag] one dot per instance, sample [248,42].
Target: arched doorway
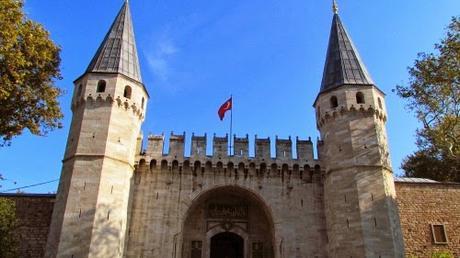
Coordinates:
[227,245]
[228,221]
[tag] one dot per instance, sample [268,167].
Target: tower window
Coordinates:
[360,98]
[334,102]
[143,101]
[380,102]
[127,92]
[100,86]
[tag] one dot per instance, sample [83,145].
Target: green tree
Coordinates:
[29,66]
[433,93]
[8,240]
[442,254]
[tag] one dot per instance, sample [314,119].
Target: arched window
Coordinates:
[197,166]
[274,168]
[284,168]
[153,164]
[252,168]
[186,165]
[241,167]
[230,166]
[296,168]
[100,86]
[334,102]
[142,162]
[360,98]
[175,165]
[79,90]
[127,92]
[143,101]
[380,102]
[308,173]
[220,166]
[263,169]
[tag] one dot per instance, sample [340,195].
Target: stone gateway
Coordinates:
[118,199]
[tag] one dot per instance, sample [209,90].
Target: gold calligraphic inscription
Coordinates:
[227,211]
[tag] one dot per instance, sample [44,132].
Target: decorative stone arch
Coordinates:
[201,198]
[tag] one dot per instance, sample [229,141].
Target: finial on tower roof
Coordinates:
[335,7]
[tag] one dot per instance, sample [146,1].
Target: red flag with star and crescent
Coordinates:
[224,108]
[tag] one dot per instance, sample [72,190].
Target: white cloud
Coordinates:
[159,58]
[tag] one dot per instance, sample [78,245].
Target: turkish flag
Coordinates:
[224,108]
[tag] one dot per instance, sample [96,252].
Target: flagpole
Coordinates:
[231,125]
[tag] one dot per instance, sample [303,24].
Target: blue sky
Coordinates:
[268,53]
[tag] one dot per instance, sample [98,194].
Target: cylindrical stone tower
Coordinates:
[361,213]
[91,210]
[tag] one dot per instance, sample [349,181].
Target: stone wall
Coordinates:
[423,204]
[33,212]
[170,202]
[420,204]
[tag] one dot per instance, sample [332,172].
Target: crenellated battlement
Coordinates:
[284,149]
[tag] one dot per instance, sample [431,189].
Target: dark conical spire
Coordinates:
[118,52]
[343,65]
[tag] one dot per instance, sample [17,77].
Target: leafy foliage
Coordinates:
[442,254]
[433,94]
[29,65]
[429,164]
[8,241]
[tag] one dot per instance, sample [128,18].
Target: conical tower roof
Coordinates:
[118,52]
[343,65]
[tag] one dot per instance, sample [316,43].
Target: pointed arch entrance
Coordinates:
[228,222]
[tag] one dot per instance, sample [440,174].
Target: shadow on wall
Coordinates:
[106,239]
[381,217]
